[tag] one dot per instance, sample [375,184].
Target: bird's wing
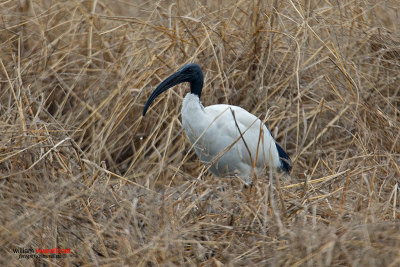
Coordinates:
[232,118]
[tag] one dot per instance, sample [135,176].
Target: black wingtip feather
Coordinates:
[285,159]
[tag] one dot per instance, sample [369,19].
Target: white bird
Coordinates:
[230,139]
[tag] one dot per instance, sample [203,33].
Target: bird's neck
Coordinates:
[191,105]
[196,87]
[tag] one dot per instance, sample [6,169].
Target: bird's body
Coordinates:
[214,128]
[232,140]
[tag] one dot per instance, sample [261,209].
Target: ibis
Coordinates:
[228,139]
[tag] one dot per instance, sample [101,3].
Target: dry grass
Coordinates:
[81,169]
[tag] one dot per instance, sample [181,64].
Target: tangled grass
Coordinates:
[80,168]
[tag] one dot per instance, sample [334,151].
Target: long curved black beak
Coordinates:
[171,81]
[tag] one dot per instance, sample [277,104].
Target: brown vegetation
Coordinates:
[81,169]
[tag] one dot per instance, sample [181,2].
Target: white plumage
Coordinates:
[226,136]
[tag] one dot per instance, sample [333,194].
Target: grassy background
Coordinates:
[80,168]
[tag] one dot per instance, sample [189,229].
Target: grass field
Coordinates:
[81,169]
